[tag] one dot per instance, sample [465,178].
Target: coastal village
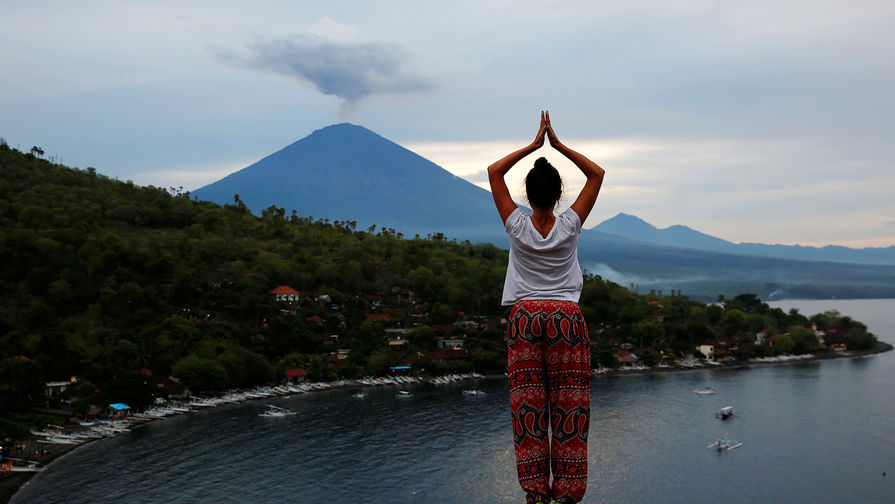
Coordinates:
[129,301]
[456,346]
[452,352]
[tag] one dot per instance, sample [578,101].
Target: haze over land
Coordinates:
[751,122]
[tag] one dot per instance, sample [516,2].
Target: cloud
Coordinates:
[333,30]
[190,176]
[328,58]
[607,273]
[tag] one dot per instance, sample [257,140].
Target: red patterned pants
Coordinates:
[549,372]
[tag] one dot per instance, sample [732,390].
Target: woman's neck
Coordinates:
[541,213]
[543,220]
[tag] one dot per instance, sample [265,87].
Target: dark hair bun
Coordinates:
[543,185]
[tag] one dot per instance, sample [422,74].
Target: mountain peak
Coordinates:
[626,225]
[347,172]
[345,127]
[635,228]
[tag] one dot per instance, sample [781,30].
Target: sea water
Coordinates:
[811,432]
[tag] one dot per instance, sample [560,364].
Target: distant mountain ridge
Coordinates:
[635,228]
[346,172]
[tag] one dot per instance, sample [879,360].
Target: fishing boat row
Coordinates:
[782,358]
[95,429]
[165,408]
[98,428]
[404,380]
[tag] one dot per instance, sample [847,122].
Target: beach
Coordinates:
[10,482]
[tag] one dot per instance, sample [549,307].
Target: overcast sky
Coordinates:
[754,121]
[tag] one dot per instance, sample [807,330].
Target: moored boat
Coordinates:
[276,411]
[725,444]
[725,413]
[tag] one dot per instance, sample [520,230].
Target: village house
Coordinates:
[820,335]
[625,357]
[396,341]
[285,294]
[833,335]
[397,337]
[374,301]
[766,337]
[444,328]
[707,351]
[377,317]
[405,296]
[296,375]
[447,355]
[467,324]
[451,343]
[56,388]
[288,297]
[720,348]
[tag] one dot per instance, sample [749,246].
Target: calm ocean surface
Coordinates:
[812,432]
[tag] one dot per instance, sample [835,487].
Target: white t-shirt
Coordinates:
[539,267]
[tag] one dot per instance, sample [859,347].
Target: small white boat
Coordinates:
[724,413]
[23,466]
[473,392]
[725,444]
[704,391]
[359,395]
[276,411]
[403,394]
[60,440]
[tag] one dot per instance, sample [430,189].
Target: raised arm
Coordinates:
[497,171]
[588,195]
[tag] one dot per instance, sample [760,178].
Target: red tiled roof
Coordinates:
[284,289]
[373,317]
[446,354]
[293,372]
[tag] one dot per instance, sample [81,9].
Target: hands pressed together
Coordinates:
[546,130]
[586,198]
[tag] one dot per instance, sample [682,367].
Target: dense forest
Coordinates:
[115,283]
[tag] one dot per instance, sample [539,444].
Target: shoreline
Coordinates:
[10,483]
[880,347]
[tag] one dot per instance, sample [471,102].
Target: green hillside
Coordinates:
[105,280]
